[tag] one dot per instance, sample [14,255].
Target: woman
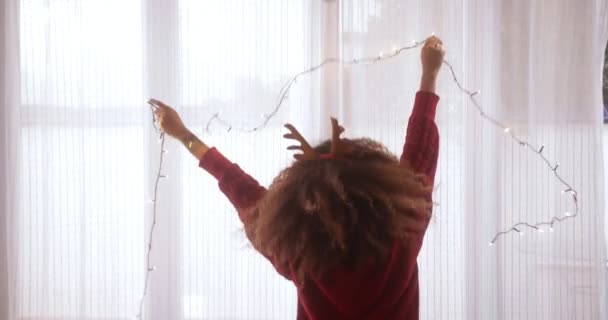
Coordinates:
[345,222]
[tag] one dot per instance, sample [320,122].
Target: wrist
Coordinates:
[185,136]
[429,75]
[188,139]
[427,82]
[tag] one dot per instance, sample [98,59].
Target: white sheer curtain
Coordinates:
[78,152]
[538,66]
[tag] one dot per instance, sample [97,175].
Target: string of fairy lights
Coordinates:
[517,227]
[539,152]
[159,175]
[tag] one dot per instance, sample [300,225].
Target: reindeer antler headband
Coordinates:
[338,148]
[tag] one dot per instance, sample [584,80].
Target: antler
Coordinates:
[337,147]
[308,153]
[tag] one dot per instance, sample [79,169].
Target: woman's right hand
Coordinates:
[432,56]
[168,120]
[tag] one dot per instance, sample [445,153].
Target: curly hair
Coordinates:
[320,214]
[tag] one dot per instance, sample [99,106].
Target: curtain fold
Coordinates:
[79,153]
[9,161]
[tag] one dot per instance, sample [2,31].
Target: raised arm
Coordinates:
[421,147]
[240,188]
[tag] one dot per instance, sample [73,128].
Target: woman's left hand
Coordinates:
[169,120]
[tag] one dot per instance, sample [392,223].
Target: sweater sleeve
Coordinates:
[421,148]
[241,189]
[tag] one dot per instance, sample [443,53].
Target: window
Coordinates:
[87,69]
[81,129]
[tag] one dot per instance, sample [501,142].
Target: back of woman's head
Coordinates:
[345,211]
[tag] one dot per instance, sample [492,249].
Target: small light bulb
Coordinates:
[152,268]
[165,151]
[550,229]
[380,54]
[507,130]
[432,34]
[521,233]
[568,214]
[491,243]
[395,49]
[414,42]
[163,176]
[264,116]
[541,230]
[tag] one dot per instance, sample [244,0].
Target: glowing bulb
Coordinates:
[568,214]
[395,49]
[380,54]
[541,230]
[521,233]
[414,42]
[152,268]
[165,151]
[550,229]
[432,34]
[507,130]
[491,243]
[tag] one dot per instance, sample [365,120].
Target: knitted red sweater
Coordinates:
[388,290]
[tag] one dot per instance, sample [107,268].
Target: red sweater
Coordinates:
[388,290]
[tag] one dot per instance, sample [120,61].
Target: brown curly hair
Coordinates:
[323,213]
